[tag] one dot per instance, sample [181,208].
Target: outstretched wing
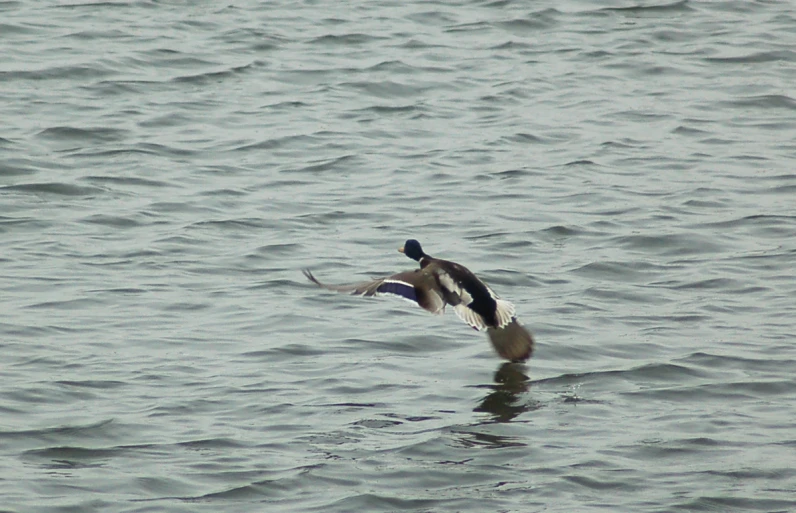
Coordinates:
[472,299]
[406,285]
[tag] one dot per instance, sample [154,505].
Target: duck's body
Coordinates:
[439,283]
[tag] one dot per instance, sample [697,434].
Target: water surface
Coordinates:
[623,173]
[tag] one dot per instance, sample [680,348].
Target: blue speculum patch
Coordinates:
[400,289]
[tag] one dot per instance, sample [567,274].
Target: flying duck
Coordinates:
[439,283]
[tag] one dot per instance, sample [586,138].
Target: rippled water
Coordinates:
[623,173]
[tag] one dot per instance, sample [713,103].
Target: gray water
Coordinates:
[621,171]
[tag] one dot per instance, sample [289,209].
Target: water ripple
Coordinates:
[621,172]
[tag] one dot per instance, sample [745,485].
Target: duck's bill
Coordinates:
[401,249]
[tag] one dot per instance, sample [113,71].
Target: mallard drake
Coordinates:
[439,283]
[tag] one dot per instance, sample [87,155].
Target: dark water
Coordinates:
[623,173]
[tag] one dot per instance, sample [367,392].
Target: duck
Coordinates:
[440,283]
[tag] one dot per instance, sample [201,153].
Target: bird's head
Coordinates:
[413,250]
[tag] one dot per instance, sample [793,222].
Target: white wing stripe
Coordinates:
[451,285]
[469,317]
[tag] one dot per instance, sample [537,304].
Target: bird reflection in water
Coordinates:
[504,401]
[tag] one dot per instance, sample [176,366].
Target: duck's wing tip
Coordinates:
[470,317]
[308,274]
[356,288]
[311,277]
[504,312]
